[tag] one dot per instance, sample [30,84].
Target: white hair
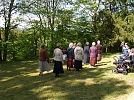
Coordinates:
[70,45]
[93,43]
[98,42]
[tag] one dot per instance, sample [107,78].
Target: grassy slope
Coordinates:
[20,81]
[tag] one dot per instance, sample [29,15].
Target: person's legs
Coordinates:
[91,61]
[67,63]
[40,74]
[40,68]
[70,63]
[78,65]
[57,68]
[56,74]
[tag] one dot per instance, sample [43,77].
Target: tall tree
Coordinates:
[0,45]
[8,8]
[7,11]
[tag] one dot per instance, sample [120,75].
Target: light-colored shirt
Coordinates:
[78,53]
[58,54]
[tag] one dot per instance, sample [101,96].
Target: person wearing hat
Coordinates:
[93,53]
[43,60]
[58,59]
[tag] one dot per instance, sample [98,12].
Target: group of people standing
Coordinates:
[75,55]
[92,54]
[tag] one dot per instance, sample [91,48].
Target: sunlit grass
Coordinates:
[20,81]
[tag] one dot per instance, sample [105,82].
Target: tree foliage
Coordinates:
[64,21]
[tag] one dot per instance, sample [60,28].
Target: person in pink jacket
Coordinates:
[93,53]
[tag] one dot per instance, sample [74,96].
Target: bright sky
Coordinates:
[1,21]
[24,23]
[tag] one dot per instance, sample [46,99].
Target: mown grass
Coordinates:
[20,81]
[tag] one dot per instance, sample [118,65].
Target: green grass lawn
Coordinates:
[20,81]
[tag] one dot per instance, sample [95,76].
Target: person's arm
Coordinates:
[89,51]
[96,52]
[61,53]
[47,57]
[122,44]
[73,53]
[82,51]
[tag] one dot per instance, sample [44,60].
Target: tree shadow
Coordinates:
[20,81]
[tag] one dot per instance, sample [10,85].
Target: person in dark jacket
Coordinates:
[70,56]
[86,53]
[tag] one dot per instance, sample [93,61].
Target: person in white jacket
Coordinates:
[58,59]
[79,56]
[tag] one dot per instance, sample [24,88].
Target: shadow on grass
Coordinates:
[20,81]
[107,55]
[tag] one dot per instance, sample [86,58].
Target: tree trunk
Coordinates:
[7,28]
[5,44]
[106,49]
[35,52]
[0,47]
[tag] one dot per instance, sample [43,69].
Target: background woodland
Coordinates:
[64,21]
